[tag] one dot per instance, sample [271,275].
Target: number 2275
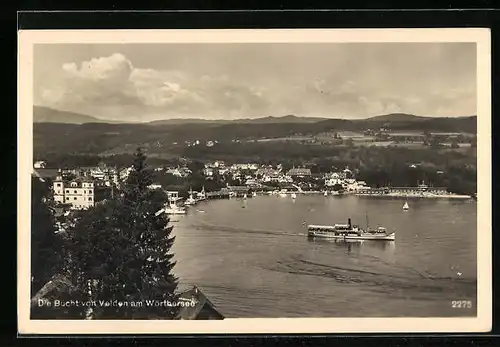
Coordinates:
[461,304]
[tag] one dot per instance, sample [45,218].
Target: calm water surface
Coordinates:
[256,261]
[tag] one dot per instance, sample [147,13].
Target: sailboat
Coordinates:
[294,196]
[202,195]
[325,193]
[254,194]
[245,196]
[405,206]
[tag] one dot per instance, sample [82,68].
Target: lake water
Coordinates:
[257,261]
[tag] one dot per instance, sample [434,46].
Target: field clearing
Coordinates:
[405,133]
[364,139]
[418,145]
[291,138]
[351,135]
[453,134]
[461,145]
[373,143]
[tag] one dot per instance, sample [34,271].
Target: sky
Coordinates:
[145,82]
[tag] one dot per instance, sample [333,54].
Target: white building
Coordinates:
[223,171]
[251,182]
[178,172]
[347,173]
[271,177]
[111,177]
[79,193]
[69,171]
[39,164]
[208,172]
[248,166]
[285,179]
[333,179]
[97,173]
[125,173]
[218,164]
[268,174]
[356,185]
[340,178]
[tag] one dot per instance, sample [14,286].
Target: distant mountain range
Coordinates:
[43,114]
[265,120]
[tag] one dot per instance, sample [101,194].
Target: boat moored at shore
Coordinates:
[190,200]
[172,208]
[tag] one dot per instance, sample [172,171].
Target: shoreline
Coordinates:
[388,195]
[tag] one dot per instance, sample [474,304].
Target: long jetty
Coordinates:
[220,194]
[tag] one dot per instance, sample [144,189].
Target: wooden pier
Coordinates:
[221,194]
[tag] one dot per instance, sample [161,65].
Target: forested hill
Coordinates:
[399,122]
[101,137]
[48,115]
[263,120]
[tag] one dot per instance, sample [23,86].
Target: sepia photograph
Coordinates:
[246,181]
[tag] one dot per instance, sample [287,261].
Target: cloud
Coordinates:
[112,87]
[104,82]
[111,70]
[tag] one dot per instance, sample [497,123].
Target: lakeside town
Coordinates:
[83,187]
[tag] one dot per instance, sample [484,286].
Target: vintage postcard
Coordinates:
[254,181]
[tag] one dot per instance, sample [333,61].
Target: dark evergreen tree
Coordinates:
[48,259]
[46,245]
[121,252]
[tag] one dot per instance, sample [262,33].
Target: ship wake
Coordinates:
[397,280]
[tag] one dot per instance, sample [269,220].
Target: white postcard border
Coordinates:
[481,323]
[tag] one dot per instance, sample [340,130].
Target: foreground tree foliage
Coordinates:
[46,245]
[48,260]
[120,253]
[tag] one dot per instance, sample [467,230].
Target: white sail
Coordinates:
[294,195]
[405,206]
[190,201]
